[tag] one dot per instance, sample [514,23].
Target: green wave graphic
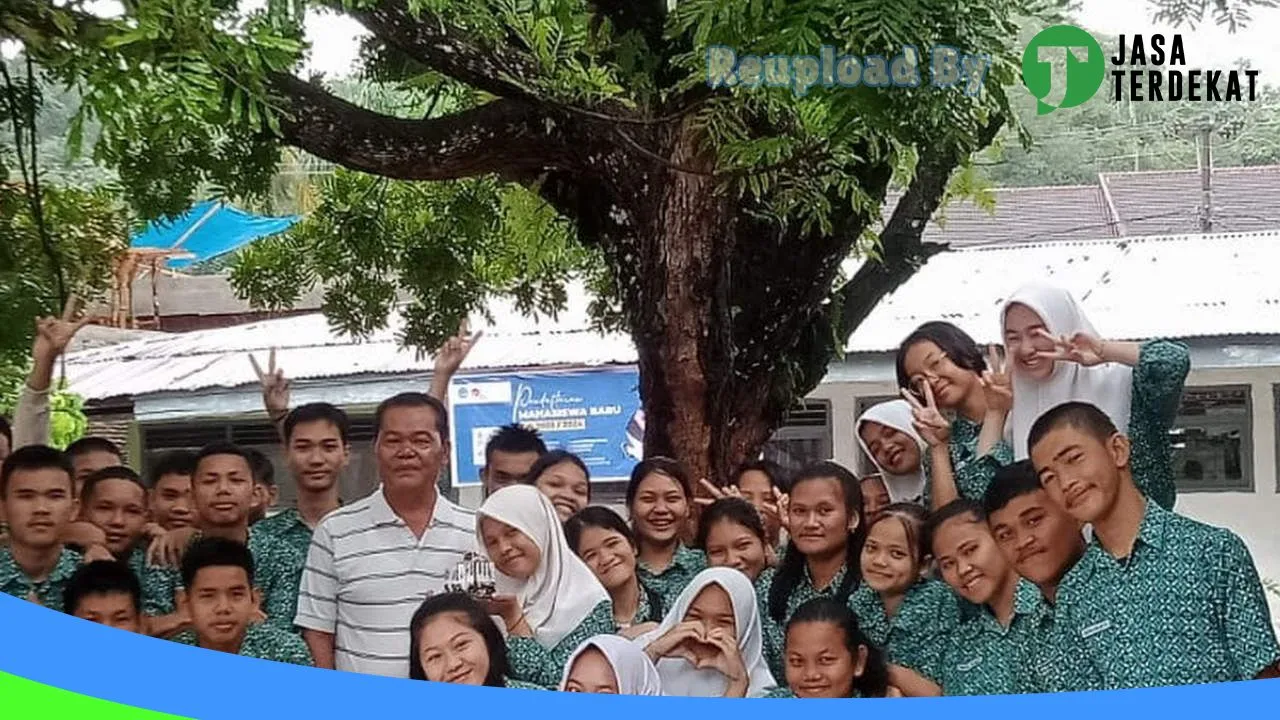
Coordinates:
[22,698]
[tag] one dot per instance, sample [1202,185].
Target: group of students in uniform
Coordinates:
[1017,535]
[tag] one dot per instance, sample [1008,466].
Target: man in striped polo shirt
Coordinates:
[372,562]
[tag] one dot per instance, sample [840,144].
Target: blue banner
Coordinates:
[594,414]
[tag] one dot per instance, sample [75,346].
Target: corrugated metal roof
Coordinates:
[1175,286]
[1020,215]
[1155,202]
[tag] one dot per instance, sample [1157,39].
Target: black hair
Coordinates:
[514,438]
[1079,415]
[264,473]
[791,568]
[954,509]
[953,341]
[597,516]
[548,460]
[479,621]
[412,400]
[731,509]
[772,470]
[318,412]
[1009,482]
[223,448]
[35,457]
[92,443]
[101,577]
[175,462]
[118,472]
[658,466]
[215,552]
[6,431]
[874,680]
[915,521]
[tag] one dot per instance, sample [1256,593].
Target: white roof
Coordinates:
[1175,286]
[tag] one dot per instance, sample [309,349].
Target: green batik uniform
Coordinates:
[517,685]
[1185,607]
[668,584]
[914,636]
[159,584]
[288,528]
[13,581]
[983,657]
[1158,380]
[277,572]
[774,633]
[264,642]
[645,612]
[533,663]
[786,692]
[973,474]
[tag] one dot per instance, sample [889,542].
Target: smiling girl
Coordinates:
[548,599]
[604,542]
[828,656]
[901,611]
[659,501]
[732,534]
[453,640]
[893,446]
[564,479]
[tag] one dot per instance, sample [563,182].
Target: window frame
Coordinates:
[1247,482]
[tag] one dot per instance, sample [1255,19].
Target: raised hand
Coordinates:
[455,350]
[275,386]
[927,420]
[781,507]
[728,659]
[53,334]
[675,642]
[168,549]
[716,492]
[1081,348]
[997,385]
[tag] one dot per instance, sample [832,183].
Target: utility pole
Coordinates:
[1205,142]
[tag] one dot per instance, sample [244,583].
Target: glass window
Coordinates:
[804,438]
[1212,439]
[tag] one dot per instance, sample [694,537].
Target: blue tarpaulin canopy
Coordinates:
[208,230]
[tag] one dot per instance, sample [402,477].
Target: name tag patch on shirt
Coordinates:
[969,664]
[1096,628]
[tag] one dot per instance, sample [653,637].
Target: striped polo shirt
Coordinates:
[366,574]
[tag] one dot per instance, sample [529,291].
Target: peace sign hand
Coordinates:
[275,386]
[926,419]
[455,350]
[716,493]
[1081,348]
[997,386]
[53,334]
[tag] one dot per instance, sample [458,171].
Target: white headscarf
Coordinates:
[632,668]
[562,592]
[1108,386]
[679,677]
[897,415]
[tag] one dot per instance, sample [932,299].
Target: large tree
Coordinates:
[722,215]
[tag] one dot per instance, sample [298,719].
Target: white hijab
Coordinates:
[897,415]
[1108,386]
[632,668]
[562,592]
[679,677]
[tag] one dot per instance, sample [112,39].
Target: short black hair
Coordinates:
[92,443]
[1009,482]
[514,438]
[174,462]
[477,618]
[772,470]
[318,412]
[35,457]
[1079,415]
[732,509]
[101,577]
[411,400]
[548,460]
[264,473]
[953,341]
[658,466]
[6,430]
[874,681]
[954,509]
[117,472]
[223,448]
[215,552]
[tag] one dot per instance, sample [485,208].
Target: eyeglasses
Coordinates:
[932,367]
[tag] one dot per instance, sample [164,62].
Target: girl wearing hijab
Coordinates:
[828,656]
[709,644]
[453,640]
[564,479]
[611,665]
[891,443]
[1057,357]
[940,369]
[604,542]
[548,599]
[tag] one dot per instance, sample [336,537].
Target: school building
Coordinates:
[1217,292]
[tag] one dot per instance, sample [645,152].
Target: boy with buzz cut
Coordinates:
[105,592]
[1157,598]
[37,498]
[1036,534]
[317,450]
[223,602]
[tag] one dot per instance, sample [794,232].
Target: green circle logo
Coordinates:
[1063,67]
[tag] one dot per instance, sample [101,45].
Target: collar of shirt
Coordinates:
[1151,534]
[682,559]
[1027,603]
[835,581]
[63,569]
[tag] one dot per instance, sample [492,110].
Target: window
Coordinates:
[804,438]
[1212,439]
